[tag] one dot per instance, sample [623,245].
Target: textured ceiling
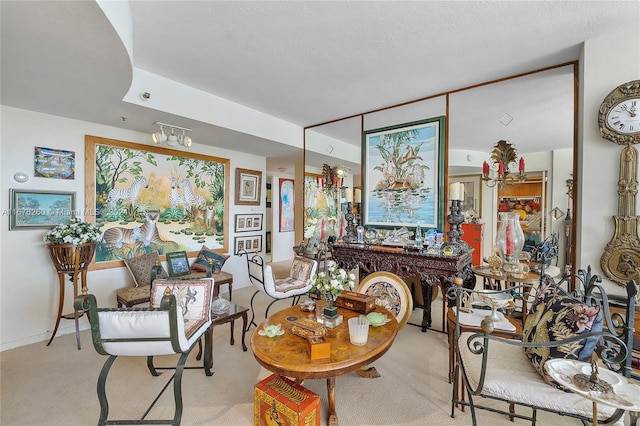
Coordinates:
[304,62]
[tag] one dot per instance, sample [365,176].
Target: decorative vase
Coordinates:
[510,238]
[330,310]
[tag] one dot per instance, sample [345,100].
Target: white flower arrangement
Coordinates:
[334,281]
[75,232]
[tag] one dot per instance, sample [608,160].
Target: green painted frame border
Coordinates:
[178,264]
[439,177]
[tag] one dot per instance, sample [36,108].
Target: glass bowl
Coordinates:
[220,306]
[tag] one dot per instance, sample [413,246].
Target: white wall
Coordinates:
[606,63]
[28,281]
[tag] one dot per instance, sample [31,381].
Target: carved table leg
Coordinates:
[244,325]
[331,394]
[369,373]
[426,304]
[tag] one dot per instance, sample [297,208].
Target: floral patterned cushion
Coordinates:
[555,315]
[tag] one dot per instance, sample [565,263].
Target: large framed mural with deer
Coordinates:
[148,198]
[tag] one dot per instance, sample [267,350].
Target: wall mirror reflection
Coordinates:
[332,179]
[535,113]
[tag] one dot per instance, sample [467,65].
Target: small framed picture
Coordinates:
[249,243]
[178,263]
[54,163]
[40,209]
[248,222]
[248,186]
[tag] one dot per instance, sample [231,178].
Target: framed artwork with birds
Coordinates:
[403,175]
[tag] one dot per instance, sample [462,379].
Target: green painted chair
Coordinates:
[179,316]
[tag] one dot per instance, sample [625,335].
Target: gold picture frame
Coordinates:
[248,187]
[147,198]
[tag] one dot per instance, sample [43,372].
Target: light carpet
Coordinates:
[56,385]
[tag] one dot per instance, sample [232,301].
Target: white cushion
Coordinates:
[511,376]
[273,287]
[140,324]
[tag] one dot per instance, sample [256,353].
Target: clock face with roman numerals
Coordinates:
[619,114]
[625,117]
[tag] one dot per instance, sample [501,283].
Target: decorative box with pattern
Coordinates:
[363,303]
[280,401]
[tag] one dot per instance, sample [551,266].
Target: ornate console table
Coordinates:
[433,269]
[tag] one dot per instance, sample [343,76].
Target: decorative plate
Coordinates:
[391,293]
[625,395]
[377,319]
[271,331]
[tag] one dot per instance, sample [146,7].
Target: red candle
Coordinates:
[501,168]
[521,164]
[485,168]
[509,240]
[322,229]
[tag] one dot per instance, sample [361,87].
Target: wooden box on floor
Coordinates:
[278,400]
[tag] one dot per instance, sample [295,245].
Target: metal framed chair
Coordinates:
[498,368]
[292,287]
[179,316]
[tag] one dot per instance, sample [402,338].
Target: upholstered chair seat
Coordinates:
[292,287]
[179,315]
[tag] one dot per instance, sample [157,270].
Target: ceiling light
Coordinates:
[159,136]
[172,139]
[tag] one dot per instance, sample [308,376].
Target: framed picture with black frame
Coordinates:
[249,243]
[248,222]
[178,264]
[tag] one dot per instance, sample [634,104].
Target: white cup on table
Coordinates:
[358,330]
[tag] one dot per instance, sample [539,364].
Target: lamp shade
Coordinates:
[159,136]
[177,135]
[172,139]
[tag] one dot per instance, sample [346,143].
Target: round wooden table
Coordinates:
[288,354]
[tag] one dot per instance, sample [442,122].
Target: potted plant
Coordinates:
[75,239]
[330,284]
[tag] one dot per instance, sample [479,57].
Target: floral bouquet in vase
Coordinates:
[75,232]
[330,283]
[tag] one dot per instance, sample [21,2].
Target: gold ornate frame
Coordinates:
[163,168]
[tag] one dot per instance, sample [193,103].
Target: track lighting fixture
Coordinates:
[173,138]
